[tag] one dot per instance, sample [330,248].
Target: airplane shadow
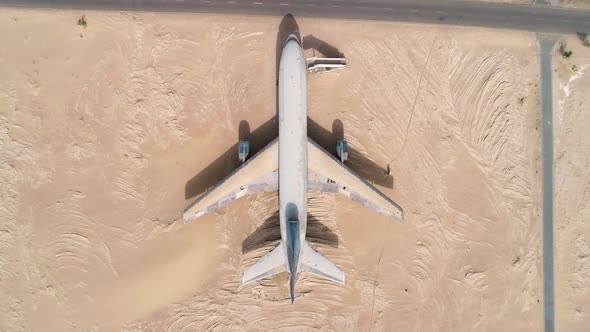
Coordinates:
[327,50]
[228,161]
[363,166]
[261,136]
[270,231]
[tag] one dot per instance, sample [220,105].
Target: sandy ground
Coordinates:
[577,4]
[580,4]
[102,127]
[572,187]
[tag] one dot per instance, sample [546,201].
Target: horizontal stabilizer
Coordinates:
[267,266]
[313,262]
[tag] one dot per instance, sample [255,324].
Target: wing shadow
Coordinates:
[362,165]
[270,232]
[261,136]
[228,161]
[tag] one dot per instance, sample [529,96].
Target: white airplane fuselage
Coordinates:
[292,153]
[296,154]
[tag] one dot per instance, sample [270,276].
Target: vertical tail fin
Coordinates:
[292,278]
[293,247]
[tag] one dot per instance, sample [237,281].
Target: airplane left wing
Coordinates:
[257,174]
[327,174]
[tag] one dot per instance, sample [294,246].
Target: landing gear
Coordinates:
[342,150]
[243,150]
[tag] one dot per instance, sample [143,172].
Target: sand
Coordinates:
[574,4]
[572,187]
[101,128]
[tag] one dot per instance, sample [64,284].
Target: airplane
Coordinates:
[293,165]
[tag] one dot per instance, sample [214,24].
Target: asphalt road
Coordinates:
[485,14]
[546,44]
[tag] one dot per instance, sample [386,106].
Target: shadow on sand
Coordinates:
[228,161]
[261,136]
[270,231]
[363,166]
[326,50]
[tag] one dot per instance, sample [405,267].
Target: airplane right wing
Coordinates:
[257,174]
[327,174]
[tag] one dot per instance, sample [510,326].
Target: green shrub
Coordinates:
[82,21]
[564,52]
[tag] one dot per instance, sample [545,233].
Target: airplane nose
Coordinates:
[292,37]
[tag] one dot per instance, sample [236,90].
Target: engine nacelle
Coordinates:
[342,150]
[243,150]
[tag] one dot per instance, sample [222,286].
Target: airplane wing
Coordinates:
[327,174]
[257,174]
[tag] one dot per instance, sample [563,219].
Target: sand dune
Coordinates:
[102,127]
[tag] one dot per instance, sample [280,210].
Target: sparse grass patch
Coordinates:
[82,21]
[565,53]
[584,38]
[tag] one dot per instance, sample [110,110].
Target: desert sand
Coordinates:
[572,187]
[102,127]
[579,4]
[576,4]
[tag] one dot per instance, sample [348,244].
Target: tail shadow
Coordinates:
[270,232]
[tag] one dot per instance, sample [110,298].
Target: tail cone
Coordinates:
[292,287]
